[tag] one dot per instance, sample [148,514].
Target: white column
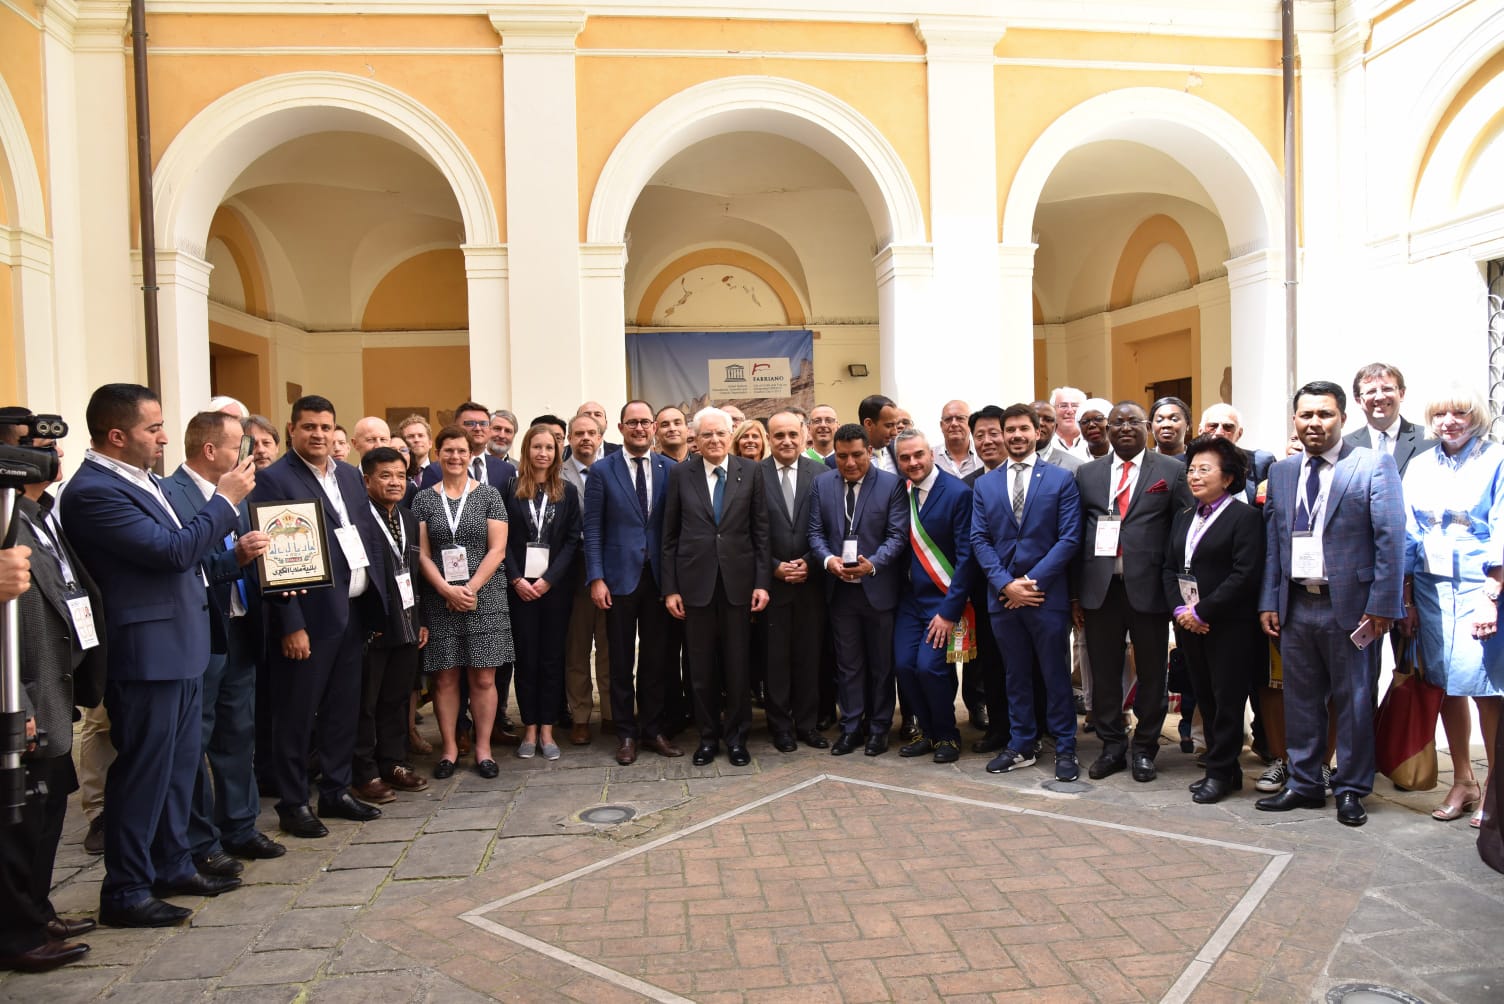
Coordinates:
[1015,269]
[30,257]
[1256,295]
[966,307]
[1321,292]
[1214,307]
[486,276]
[543,214]
[603,280]
[183,333]
[911,370]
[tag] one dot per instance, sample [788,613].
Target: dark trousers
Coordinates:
[226,809]
[637,697]
[1036,651]
[157,727]
[716,638]
[796,631]
[863,638]
[1322,663]
[27,852]
[381,732]
[926,680]
[827,678]
[973,692]
[989,663]
[1220,664]
[678,688]
[1106,628]
[540,629]
[317,703]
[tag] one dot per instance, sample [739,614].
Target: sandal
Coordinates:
[1477,821]
[1450,810]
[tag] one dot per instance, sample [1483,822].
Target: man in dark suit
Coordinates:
[796,599]
[934,625]
[224,811]
[1379,389]
[62,661]
[315,640]
[623,546]
[597,411]
[715,566]
[983,686]
[587,622]
[488,470]
[1334,563]
[1128,499]
[147,563]
[1025,531]
[859,533]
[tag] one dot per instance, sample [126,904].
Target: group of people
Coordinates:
[834,573]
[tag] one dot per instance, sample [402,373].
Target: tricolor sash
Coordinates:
[963,640]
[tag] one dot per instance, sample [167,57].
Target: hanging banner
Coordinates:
[757,371]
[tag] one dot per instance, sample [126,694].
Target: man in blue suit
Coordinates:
[1025,528]
[315,640]
[224,812]
[859,533]
[1335,535]
[146,562]
[623,543]
[934,601]
[488,470]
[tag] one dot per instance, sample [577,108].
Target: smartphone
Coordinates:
[1364,634]
[247,444]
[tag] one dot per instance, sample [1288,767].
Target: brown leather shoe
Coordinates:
[660,745]
[63,929]
[626,753]
[580,734]
[375,790]
[502,737]
[417,744]
[404,778]
[48,955]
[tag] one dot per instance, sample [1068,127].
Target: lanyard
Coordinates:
[541,513]
[1199,527]
[386,531]
[53,547]
[454,520]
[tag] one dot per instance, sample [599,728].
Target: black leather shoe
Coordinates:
[919,747]
[257,845]
[443,770]
[1350,809]
[487,769]
[197,884]
[824,723]
[979,719]
[783,742]
[301,822]
[1289,799]
[1105,766]
[1212,789]
[1143,768]
[150,912]
[346,806]
[1195,785]
[908,729]
[814,740]
[219,863]
[876,745]
[845,743]
[991,742]
[705,753]
[738,756]
[61,929]
[947,751]
[45,957]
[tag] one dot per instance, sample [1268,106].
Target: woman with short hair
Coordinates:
[1169,424]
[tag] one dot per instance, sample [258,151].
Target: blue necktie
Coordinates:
[720,493]
[1307,506]
[642,487]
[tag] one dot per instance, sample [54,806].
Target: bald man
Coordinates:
[597,411]
[369,433]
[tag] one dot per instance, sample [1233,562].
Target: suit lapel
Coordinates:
[621,470]
[146,499]
[1342,476]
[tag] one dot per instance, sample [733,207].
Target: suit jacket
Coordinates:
[1228,565]
[399,625]
[1041,546]
[946,518]
[1058,456]
[697,550]
[1362,537]
[881,525]
[1258,463]
[499,474]
[618,542]
[147,567]
[1409,440]
[323,613]
[220,566]
[561,535]
[788,535]
[1142,536]
[55,672]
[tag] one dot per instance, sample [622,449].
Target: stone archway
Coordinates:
[28,252]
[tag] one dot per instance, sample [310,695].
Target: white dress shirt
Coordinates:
[1028,473]
[724,467]
[647,472]
[960,468]
[925,486]
[1323,497]
[359,580]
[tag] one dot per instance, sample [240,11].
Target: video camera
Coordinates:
[24,463]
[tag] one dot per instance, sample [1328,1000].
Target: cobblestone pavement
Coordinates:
[812,878]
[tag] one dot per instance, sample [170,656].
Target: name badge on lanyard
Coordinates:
[536,561]
[1109,529]
[405,589]
[456,561]
[849,552]
[1190,592]
[353,546]
[1439,553]
[1306,559]
[82,614]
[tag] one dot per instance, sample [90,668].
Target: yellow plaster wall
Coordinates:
[242,366]
[742,35]
[230,227]
[1486,74]
[1166,347]
[10,379]
[1156,230]
[435,377]
[428,292]
[21,66]
[1023,43]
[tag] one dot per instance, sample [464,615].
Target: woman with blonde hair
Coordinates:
[749,440]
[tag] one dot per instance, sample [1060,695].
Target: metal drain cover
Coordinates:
[1369,993]
[607,815]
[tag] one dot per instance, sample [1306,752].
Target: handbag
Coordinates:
[1405,726]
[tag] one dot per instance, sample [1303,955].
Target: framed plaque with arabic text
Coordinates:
[298,556]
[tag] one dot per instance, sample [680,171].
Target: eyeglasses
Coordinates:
[1387,390]
[1224,426]
[1125,423]
[1094,420]
[638,423]
[1203,471]
[476,423]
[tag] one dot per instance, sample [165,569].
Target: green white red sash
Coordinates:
[963,639]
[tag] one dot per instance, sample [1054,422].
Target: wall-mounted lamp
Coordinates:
[857,369]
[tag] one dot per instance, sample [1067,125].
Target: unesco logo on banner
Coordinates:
[743,378]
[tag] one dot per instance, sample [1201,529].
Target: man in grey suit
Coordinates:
[715,567]
[587,622]
[1335,564]
[1128,500]
[1046,448]
[1379,389]
[796,598]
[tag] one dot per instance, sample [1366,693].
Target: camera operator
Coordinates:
[62,661]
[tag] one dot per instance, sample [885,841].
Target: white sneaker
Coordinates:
[1274,777]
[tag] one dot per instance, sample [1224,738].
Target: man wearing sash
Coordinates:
[935,626]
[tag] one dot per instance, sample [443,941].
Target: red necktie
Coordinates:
[1121,495]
